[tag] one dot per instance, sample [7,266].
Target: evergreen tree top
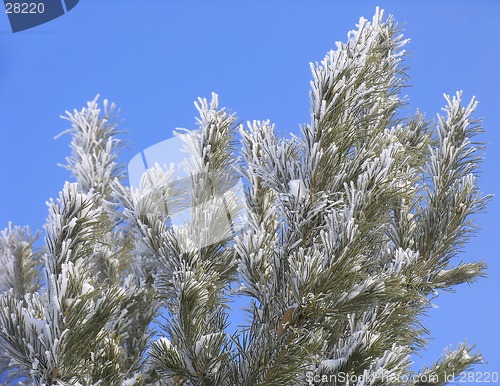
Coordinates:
[342,239]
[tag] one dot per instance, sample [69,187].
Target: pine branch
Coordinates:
[20,261]
[343,239]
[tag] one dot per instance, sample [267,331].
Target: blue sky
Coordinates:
[155,57]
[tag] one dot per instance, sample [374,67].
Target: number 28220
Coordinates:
[24,7]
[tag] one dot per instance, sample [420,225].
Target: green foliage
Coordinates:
[350,231]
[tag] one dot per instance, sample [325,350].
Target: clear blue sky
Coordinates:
[154,57]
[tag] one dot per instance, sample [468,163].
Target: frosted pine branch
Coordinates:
[344,236]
